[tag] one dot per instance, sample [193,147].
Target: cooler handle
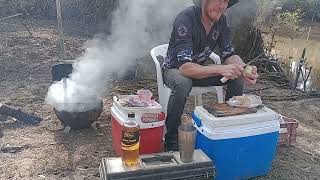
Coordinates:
[196,120]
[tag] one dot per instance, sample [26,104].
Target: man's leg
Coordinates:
[234,87]
[181,87]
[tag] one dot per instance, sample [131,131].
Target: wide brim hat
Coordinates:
[231,2]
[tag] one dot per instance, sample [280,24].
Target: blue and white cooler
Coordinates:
[241,146]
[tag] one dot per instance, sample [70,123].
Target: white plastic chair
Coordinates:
[164,91]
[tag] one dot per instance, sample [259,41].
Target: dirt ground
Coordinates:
[25,76]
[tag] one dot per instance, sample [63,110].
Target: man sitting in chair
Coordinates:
[195,30]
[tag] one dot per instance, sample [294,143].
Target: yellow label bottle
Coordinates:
[130,141]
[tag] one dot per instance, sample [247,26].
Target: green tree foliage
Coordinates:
[307,7]
[275,21]
[289,22]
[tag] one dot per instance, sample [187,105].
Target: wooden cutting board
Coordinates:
[224,110]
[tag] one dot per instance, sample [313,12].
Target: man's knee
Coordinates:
[177,82]
[239,82]
[182,86]
[235,88]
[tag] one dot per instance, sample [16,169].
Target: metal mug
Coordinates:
[187,139]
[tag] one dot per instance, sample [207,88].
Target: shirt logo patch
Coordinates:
[215,35]
[182,30]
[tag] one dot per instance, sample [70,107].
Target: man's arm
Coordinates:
[197,71]
[235,59]
[230,71]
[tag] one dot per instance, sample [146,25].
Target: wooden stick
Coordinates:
[1,141]
[11,149]
[28,29]
[310,70]
[11,16]
[61,38]
[18,114]
[309,32]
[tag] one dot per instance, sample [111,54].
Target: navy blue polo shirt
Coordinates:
[183,45]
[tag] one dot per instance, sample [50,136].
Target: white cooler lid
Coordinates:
[225,133]
[264,117]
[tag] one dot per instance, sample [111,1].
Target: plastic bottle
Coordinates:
[130,141]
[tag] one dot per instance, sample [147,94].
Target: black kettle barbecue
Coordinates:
[75,120]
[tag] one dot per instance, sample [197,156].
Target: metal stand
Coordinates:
[304,73]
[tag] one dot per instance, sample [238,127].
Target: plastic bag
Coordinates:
[248,101]
[143,98]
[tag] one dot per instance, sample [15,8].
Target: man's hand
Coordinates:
[231,71]
[235,59]
[251,79]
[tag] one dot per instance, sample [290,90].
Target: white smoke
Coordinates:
[137,26]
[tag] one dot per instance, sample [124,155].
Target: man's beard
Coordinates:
[206,13]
